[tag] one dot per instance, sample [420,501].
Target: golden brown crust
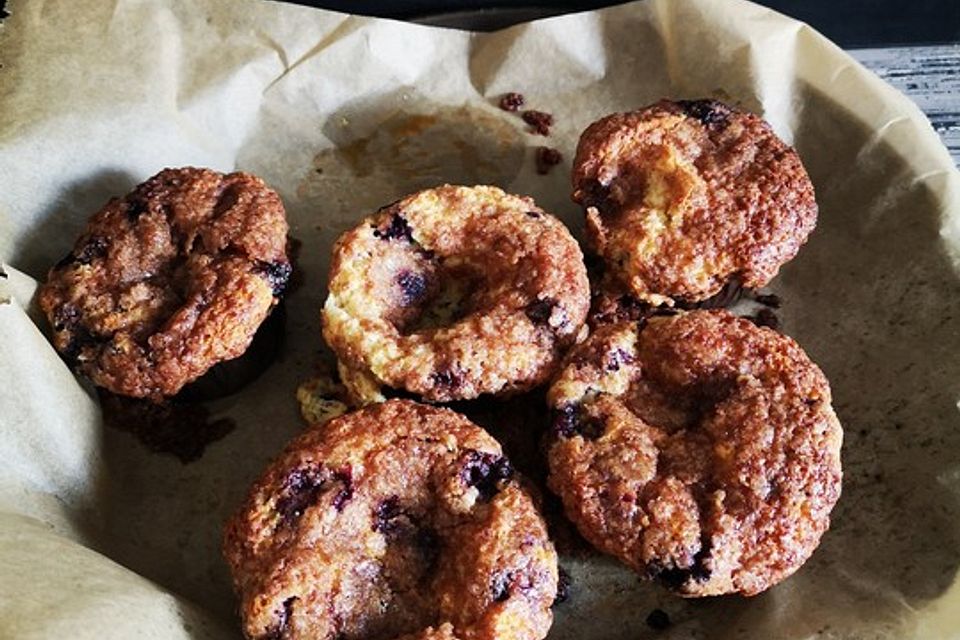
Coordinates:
[400,519]
[454,292]
[682,196]
[699,449]
[169,280]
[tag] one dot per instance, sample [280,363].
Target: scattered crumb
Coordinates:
[511,101]
[658,620]
[539,121]
[320,400]
[547,158]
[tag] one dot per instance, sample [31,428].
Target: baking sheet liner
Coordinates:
[101,538]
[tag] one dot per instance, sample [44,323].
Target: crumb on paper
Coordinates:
[658,620]
[547,158]
[539,121]
[512,101]
[320,400]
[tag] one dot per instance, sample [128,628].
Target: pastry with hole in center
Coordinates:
[454,292]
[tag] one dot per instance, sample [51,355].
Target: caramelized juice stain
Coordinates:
[409,151]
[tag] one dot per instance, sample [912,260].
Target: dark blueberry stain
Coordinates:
[397,229]
[564,584]
[675,578]
[135,209]
[413,285]
[345,477]
[386,514]
[618,358]
[277,631]
[564,422]
[567,423]
[500,586]
[709,112]
[96,247]
[658,620]
[485,471]
[446,378]
[533,214]
[65,316]
[277,274]
[539,310]
[300,490]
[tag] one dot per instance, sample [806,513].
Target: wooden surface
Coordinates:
[930,75]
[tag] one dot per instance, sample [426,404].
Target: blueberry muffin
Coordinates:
[455,292]
[681,197]
[699,449]
[169,281]
[397,520]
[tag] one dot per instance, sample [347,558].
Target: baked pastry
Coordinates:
[699,449]
[455,292]
[397,520]
[681,197]
[168,281]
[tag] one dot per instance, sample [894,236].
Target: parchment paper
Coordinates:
[100,538]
